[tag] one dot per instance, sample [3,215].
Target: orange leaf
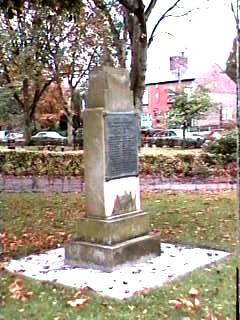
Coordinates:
[193,292]
[77,303]
[18,290]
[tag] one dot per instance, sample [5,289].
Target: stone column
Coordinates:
[115,230]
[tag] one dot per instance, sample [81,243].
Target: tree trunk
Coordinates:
[70,124]
[27,127]
[184,135]
[27,111]
[139,60]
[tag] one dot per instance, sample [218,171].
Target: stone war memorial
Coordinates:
[114,251]
[115,230]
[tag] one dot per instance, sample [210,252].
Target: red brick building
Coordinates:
[222,91]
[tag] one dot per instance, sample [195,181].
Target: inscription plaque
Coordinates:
[121,140]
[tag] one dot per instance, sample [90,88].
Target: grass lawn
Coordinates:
[144,151]
[35,222]
[169,151]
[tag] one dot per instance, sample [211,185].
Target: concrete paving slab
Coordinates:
[174,262]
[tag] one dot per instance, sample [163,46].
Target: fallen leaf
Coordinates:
[196,303]
[77,303]
[187,303]
[2,267]
[131,307]
[18,290]
[177,304]
[193,292]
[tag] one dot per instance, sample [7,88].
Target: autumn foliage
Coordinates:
[50,107]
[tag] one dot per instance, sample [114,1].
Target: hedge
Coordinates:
[71,164]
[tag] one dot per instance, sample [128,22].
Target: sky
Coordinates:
[205,35]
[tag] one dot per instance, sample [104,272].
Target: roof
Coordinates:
[170,81]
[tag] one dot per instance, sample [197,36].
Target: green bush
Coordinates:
[70,164]
[222,151]
[25,163]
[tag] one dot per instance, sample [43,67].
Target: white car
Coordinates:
[48,137]
[192,138]
[3,135]
[16,137]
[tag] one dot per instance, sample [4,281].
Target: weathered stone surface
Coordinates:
[109,89]
[112,231]
[122,196]
[94,161]
[108,258]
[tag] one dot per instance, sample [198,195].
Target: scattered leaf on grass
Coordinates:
[18,291]
[193,292]
[12,243]
[2,266]
[79,299]
[131,307]
[177,304]
[77,303]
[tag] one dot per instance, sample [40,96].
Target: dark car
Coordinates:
[150,136]
[161,138]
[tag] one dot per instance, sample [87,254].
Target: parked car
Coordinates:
[16,138]
[48,137]
[150,137]
[192,139]
[216,134]
[173,138]
[3,136]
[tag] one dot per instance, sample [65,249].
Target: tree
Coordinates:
[9,107]
[187,107]
[50,107]
[231,68]
[75,46]
[47,46]
[134,20]
[23,62]
[135,17]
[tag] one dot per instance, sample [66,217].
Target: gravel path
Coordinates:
[76,184]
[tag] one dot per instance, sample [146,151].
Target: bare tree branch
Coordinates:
[180,15]
[16,97]
[163,16]
[168,33]
[236,18]
[37,96]
[150,8]
[6,74]
[87,68]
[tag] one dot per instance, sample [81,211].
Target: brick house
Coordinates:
[222,91]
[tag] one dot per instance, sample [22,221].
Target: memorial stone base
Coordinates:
[110,243]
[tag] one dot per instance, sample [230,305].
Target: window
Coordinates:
[188,90]
[193,123]
[171,97]
[42,134]
[227,114]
